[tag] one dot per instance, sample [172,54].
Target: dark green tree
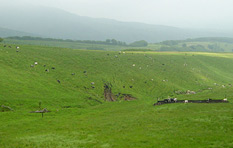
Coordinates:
[114,41]
[184,45]
[141,43]
[108,41]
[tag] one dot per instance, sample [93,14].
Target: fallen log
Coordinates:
[6,108]
[41,111]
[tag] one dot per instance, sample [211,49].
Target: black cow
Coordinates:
[58,81]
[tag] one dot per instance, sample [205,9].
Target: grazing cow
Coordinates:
[130,86]
[53,67]
[92,83]
[168,100]
[225,99]
[73,74]
[123,86]
[92,86]
[175,99]
[17,47]
[84,71]
[32,65]
[36,63]
[58,81]
[134,65]
[47,70]
[186,101]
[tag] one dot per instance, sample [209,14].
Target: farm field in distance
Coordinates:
[80,116]
[211,44]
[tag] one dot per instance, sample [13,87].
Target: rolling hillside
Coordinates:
[8,32]
[80,116]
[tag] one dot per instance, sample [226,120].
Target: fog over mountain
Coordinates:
[56,23]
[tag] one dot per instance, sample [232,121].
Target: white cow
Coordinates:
[186,101]
[225,99]
[36,63]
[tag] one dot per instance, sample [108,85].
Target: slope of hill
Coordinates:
[207,44]
[8,32]
[55,23]
[80,115]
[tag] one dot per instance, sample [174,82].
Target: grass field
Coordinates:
[80,117]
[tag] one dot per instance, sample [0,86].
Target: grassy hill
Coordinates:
[207,44]
[9,32]
[80,116]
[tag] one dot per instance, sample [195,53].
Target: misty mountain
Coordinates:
[56,23]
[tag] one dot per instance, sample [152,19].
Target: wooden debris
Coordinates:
[6,108]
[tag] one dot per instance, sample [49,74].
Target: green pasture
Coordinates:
[80,116]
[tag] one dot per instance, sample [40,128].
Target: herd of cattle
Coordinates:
[175,100]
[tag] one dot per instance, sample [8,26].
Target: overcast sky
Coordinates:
[212,14]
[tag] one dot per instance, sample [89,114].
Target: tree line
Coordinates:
[106,42]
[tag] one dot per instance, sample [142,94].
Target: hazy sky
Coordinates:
[213,14]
